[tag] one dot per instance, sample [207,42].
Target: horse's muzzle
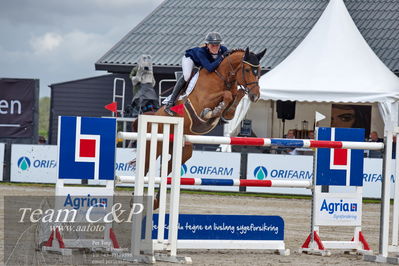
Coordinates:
[253,92]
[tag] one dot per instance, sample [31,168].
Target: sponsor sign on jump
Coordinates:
[225,227]
[334,210]
[86,148]
[342,168]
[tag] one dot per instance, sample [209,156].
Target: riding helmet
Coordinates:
[213,38]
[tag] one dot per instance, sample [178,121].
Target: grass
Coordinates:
[200,192]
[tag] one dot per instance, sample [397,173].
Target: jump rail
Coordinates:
[225,182]
[268,142]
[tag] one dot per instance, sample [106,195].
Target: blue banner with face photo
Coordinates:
[340,167]
[225,227]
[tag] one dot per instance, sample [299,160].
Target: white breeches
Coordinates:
[187,65]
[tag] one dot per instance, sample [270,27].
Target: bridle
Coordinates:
[229,81]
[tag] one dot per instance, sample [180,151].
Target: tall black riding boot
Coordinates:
[176,91]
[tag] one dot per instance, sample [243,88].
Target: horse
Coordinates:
[216,95]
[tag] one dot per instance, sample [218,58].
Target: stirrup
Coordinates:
[168,111]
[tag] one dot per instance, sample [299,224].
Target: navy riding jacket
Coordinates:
[203,58]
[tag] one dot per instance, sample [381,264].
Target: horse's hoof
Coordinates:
[132,163]
[206,113]
[224,120]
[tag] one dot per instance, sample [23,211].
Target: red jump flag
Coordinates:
[112,107]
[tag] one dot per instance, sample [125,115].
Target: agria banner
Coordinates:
[342,168]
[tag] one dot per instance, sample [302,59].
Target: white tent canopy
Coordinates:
[332,64]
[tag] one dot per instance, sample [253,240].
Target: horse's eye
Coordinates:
[247,70]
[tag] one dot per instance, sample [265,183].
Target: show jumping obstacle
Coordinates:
[223,182]
[165,237]
[312,244]
[267,142]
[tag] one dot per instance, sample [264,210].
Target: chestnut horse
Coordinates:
[216,95]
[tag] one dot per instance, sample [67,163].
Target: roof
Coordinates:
[78,80]
[279,25]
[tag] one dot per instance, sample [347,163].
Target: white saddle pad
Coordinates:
[190,88]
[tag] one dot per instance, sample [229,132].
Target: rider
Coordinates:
[208,56]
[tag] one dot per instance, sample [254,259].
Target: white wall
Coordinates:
[261,115]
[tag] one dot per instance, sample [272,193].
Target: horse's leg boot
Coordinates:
[180,84]
[206,113]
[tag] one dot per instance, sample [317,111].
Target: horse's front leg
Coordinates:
[229,112]
[208,113]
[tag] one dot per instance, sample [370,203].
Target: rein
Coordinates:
[232,73]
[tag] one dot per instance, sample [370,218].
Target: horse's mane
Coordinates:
[230,52]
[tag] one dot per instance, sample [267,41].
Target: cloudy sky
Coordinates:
[60,40]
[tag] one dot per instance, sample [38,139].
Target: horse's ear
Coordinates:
[261,54]
[247,52]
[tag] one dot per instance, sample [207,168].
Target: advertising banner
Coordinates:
[38,164]
[225,227]
[2,148]
[279,167]
[34,164]
[17,102]
[218,165]
[300,167]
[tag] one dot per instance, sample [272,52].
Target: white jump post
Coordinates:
[143,250]
[384,247]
